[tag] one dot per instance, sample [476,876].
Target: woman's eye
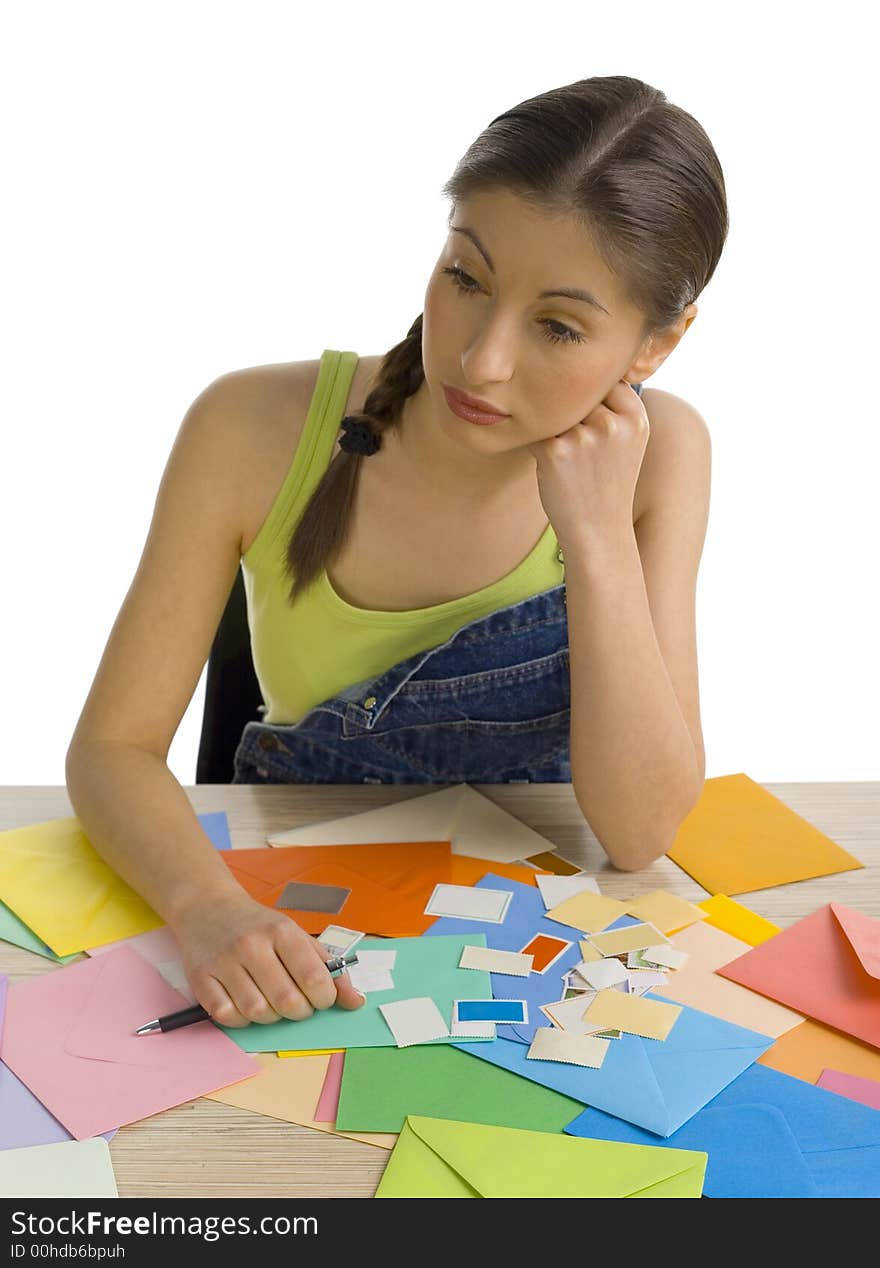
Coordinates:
[460,279]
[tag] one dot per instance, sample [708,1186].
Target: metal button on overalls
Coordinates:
[268,742]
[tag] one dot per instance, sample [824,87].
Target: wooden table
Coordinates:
[205,1149]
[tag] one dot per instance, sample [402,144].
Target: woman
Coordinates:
[449,596]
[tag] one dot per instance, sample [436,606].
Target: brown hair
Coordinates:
[645,181]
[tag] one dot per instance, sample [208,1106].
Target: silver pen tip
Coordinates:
[148,1029]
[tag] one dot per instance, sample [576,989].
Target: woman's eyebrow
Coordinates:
[566,292]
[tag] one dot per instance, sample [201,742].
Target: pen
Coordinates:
[187,1016]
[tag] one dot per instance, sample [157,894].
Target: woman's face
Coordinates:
[547,361]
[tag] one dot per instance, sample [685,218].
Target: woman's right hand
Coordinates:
[246,962]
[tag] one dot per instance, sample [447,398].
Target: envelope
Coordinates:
[526,916]
[806,1050]
[380,1086]
[827,966]
[328,1101]
[16,931]
[655,1084]
[390,883]
[63,892]
[739,837]
[423,967]
[69,1036]
[867,1091]
[770,1136]
[289,1090]
[70,1169]
[435,1157]
[697,983]
[472,823]
[731,917]
[25,1121]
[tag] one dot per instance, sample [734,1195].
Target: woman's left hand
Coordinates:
[587,475]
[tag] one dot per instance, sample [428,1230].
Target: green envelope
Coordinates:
[438,1158]
[423,966]
[380,1086]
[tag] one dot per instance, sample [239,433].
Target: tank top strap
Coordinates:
[326,411]
[313,452]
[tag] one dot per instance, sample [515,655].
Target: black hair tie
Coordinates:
[359,437]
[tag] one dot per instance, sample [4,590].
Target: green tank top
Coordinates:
[308,651]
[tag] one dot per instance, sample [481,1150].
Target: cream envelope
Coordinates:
[472,823]
[66,1169]
[290,1090]
[69,1036]
[667,911]
[698,984]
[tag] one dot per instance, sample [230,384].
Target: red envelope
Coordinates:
[826,966]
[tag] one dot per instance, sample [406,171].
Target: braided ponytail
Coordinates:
[324,525]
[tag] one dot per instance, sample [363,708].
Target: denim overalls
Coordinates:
[491,705]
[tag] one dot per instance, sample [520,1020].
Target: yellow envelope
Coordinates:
[290,1090]
[649,1018]
[311,1052]
[587,911]
[667,911]
[737,920]
[739,837]
[589,953]
[696,983]
[55,881]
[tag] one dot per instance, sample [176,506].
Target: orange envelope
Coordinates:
[467,871]
[390,883]
[826,966]
[810,1048]
[739,838]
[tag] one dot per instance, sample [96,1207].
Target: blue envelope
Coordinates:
[769,1135]
[525,917]
[658,1084]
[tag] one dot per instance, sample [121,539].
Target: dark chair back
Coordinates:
[232,693]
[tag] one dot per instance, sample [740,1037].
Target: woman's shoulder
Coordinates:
[269,404]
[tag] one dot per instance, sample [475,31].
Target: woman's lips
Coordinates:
[460,406]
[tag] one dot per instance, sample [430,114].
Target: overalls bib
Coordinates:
[490,705]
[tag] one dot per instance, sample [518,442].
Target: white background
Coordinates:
[196,187]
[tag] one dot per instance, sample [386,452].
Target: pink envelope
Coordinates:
[69,1036]
[328,1103]
[826,966]
[849,1085]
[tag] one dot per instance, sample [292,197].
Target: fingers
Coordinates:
[304,958]
[260,990]
[268,975]
[347,994]
[217,1002]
